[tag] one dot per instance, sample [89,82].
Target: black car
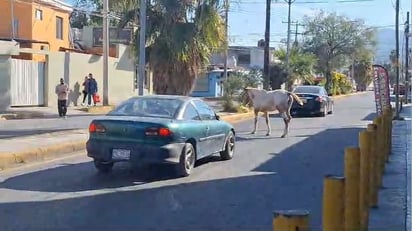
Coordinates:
[315,101]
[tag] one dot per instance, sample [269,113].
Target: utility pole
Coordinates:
[407,56]
[397,117]
[266,82]
[105,52]
[296,34]
[142,46]
[13,26]
[227,39]
[288,42]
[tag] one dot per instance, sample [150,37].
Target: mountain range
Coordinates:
[386,43]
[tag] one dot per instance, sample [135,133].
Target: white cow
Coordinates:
[269,101]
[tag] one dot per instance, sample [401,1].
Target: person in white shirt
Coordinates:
[62,91]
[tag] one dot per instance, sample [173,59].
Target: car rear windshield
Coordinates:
[148,107]
[310,90]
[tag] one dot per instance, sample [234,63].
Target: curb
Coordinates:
[16,159]
[350,94]
[97,109]
[10,160]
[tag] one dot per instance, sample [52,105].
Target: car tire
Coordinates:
[230,144]
[187,160]
[324,112]
[102,166]
[331,109]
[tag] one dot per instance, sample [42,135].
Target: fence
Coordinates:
[347,199]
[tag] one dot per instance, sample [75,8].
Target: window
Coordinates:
[307,89]
[148,107]
[206,113]
[59,28]
[38,14]
[191,113]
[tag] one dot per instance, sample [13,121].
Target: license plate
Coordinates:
[120,154]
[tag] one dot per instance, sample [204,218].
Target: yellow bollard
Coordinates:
[390,129]
[364,145]
[352,184]
[380,153]
[333,203]
[291,220]
[381,142]
[384,137]
[373,168]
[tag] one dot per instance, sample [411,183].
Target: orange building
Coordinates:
[37,24]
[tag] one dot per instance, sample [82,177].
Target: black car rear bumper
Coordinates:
[312,108]
[139,153]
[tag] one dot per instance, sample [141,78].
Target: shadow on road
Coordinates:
[291,179]
[370,117]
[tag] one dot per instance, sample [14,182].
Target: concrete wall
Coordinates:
[73,67]
[5,98]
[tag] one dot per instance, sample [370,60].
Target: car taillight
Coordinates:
[158,132]
[96,128]
[320,99]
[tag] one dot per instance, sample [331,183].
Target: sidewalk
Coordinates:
[394,206]
[53,140]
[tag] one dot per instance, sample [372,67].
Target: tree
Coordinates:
[333,39]
[89,12]
[362,66]
[235,83]
[86,13]
[181,36]
[277,75]
[301,64]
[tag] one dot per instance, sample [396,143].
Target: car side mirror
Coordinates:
[217,117]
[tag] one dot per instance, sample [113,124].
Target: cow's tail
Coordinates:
[295,97]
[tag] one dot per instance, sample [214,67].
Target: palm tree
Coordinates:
[301,65]
[181,36]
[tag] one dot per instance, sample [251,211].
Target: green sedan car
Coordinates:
[159,129]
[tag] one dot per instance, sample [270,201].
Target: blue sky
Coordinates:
[247,17]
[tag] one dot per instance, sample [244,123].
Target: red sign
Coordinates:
[381,86]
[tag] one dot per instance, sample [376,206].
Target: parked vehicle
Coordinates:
[315,101]
[159,129]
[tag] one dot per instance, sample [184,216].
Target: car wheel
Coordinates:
[324,112]
[103,167]
[187,160]
[227,154]
[331,109]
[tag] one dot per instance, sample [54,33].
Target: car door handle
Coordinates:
[207,128]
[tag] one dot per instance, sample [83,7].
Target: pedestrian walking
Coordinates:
[85,87]
[91,90]
[62,91]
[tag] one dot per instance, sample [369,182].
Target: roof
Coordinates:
[181,97]
[56,3]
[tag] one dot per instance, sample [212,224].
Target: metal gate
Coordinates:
[27,82]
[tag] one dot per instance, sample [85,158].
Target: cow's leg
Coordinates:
[256,121]
[287,117]
[268,124]
[283,113]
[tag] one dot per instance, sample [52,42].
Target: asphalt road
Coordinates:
[267,173]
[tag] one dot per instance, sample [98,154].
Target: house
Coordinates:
[248,57]
[38,25]
[37,49]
